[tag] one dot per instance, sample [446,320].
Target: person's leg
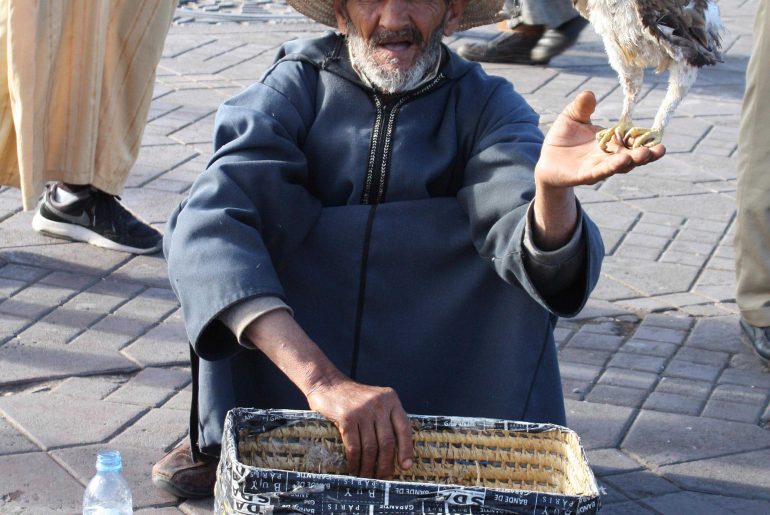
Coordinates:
[9,164]
[752,239]
[80,109]
[538,31]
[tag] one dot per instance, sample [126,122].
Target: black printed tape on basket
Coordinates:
[563,484]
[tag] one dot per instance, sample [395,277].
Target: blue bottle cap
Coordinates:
[108,461]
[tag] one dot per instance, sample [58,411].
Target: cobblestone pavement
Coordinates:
[671,406]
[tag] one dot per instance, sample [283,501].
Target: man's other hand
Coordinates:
[572,157]
[374,427]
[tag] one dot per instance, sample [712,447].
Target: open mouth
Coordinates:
[396,46]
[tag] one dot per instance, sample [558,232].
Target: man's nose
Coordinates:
[394,14]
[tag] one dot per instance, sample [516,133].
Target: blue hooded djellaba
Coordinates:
[392,226]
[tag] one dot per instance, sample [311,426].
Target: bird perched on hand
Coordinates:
[675,35]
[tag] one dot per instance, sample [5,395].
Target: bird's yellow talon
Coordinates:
[616,133]
[643,137]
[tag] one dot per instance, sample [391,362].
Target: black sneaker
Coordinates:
[506,47]
[758,339]
[98,219]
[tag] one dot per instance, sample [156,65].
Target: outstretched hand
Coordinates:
[572,157]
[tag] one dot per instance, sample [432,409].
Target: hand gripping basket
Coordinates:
[282,461]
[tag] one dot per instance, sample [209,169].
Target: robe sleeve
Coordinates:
[497,189]
[251,202]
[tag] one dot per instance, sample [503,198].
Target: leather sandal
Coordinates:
[177,473]
[507,47]
[555,41]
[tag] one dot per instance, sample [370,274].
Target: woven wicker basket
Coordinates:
[499,466]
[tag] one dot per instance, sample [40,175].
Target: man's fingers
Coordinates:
[582,107]
[403,431]
[351,439]
[387,447]
[369,449]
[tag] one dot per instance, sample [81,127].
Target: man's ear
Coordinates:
[454,13]
[339,13]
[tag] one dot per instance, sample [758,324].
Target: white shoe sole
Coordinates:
[79,233]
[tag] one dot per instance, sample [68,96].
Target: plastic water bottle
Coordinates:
[107,493]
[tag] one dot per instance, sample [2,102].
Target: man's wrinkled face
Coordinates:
[396,42]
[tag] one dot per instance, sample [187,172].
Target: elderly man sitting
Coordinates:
[382,230]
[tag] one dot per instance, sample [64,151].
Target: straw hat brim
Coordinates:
[477,12]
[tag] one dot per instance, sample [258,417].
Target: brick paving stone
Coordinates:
[24,363]
[12,441]
[11,325]
[682,386]
[689,370]
[69,280]
[651,278]
[24,309]
[627,250]
[116,288]
[639,362]
[677,255]
[595,341]
[52,420]
[10,286]
[606,462]
[760,379]
[732,475]
[137,462]
[674,403]
[629,378]
[703,357]
[666,438]
[78,258]
[152,305]
[164,345]
[663,231]
[599,426]
[24,490]
[147,270]
[739,393]
[650,348]
[641,484]
[706,504]
[58,327]
[711,310]
[96,388]
[730,410]
[617,395]
[151,387]
[646,240]
[575,390]
[131,328]
[157,429]
[180,401]
[22,273]
[96,302]
[579,371]
[660,334]
[585,356]
[611,290]
[719,334]
[101,341]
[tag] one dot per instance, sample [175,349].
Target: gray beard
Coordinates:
[392,81]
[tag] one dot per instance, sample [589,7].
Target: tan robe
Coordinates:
[76,80]
[752,237]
